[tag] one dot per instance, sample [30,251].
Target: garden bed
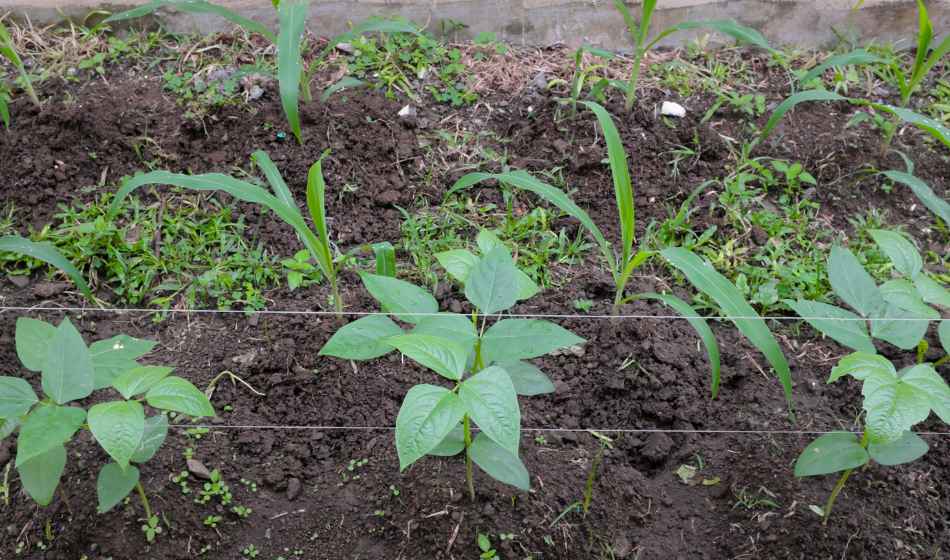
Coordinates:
[313,439]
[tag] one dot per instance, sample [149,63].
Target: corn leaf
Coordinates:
[316,203]
[935,128]
[6,51]
[346,82]
[4,110]
[194,7]
[292,15]
[729,27]
[702,329]
[272,174]
[623,189]
[792,101]
[385,259]
[853,58]
[705,278]
[925,35]
[48,254]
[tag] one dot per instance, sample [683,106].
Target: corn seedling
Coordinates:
[582,77]
[48,254]
[926,195]
[894,401]
[897,310]
[6,51]
[282,203]
[640,33]
[621,265]
[485,363]
[293,76]
[70,371]
[605,444]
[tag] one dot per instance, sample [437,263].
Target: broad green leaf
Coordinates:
[442,355]
[449,325]
[702,329]
[488,240]
[520,339]
[527,378]
[905,296]
[16,397]
[32,342]
[620,172]
[196,7]
[45,428]
[67,371]
[901,328]
[491,401]
[363,339]
[930,199]
[492,285]
[926,379]
[40,475]
[406,301]
[115,356]
[8,426]
[857,57]
[47,253]
[177,394]
[156,428]
[931,291]
[791,102]
[114,484]
[427,415]
[458,263]
[852,283]
[499,463]
[861,365]
[904,450]
[139,380]
[451,445]
[943,333]
[831,453]
[553,195]
[527,289]
[704,277]
[840,324]
[902,252]
[292,15]
[893,407]
[118,427]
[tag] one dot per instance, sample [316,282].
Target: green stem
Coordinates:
[840,485]
[942,361]
[469,474]
[591,477]
[634,80]
[337,299]
[144,498]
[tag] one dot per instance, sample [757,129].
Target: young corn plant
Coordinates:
[293,76]
[640,33]
[48,254]
[894,402]
[583,75]
[281,202]
[897,310]
[622,264]
[7,51]
[69,372]
[485,363]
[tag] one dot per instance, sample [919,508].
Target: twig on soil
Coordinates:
[455,533]
[214,384]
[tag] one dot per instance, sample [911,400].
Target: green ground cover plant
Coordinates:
[485,362]
[70,371]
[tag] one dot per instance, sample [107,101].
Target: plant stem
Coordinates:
[469,474]
[942,361]
[840,484]
[591,477]
[634,80]
[144,498]
[337,299]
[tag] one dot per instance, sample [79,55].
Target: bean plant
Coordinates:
[7,51]
[897,310]
[640,33]
[483,359]
[281,202]
[293,75]
[69,372]
[894,402]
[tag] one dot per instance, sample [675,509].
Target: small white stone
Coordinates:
[407,112]
[670,109]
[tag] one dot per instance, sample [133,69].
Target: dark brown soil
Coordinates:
[633,374]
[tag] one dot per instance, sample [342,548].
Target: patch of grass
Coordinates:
[174,250]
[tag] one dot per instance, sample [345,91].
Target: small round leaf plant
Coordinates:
[71,371]
[484,359]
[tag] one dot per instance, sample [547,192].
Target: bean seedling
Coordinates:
[71,371]
[485,363]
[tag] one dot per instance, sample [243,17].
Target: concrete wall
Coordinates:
[542,22]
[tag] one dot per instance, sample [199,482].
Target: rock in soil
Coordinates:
[198,469]
[293,489]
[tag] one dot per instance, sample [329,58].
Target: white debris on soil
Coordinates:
[670,109]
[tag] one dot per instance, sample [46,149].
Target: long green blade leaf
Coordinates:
[48,254]
[853,58]
[281,191]
[702,329]
[792,101]
[292,15]
[346,82]
[935,128]
[316,203]
[7,51]
[194,7]
[623,188]
[704,277]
